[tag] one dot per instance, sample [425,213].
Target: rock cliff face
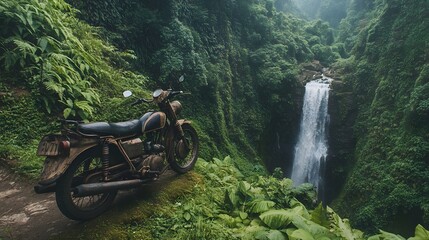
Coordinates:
[279,137]
[343,112]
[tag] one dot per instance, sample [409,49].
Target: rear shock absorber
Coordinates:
[105,159]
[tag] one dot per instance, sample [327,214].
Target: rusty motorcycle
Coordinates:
[88,163]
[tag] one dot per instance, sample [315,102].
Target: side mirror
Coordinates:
[127,93]
[181,79]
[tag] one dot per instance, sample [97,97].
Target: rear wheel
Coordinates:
[82,170]
[183,153]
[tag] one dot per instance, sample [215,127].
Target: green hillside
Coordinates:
[242,61]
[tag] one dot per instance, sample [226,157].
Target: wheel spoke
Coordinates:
[185,151]
[83,172]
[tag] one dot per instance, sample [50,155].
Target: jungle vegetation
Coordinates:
[241,60]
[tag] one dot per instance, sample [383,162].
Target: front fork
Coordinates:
[179,130]
[177,124]
[181,133]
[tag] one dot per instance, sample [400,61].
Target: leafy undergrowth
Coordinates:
[21,126]
[127,213]
[223,203]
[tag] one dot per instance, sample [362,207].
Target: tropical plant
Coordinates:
[231,205]
[54,55]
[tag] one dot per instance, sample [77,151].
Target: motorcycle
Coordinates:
[88,163]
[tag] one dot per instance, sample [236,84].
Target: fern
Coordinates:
[54,86]
[26,49]
[48,46]
[84,106]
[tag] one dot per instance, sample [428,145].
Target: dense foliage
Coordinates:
[52,65]
[225,203]
[388,186]
[240,59]
[230,205]
[54,55]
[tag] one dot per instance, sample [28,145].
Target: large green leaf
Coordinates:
[342,227]
[43,43]
[299,209]
[244,188]
[276,235]
[315,230]
[420,234]
[320,216]
[300,234]
[260,206]
[231,199]
[254,232]
[261,235]
[227,159]
[386,236]
[243,215]
[67,112]
[276,219]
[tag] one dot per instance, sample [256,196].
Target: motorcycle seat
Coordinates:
[150,121]
[120,129]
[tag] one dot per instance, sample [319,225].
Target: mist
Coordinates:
[332,11]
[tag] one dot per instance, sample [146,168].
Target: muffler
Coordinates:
[39,188]
[88,189]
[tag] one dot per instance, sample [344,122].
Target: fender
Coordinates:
[55,166]
[182,121]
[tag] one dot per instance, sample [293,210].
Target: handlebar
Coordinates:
[141,100]
[169,94]
[174,93]
[66,121]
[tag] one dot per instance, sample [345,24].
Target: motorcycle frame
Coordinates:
[84,144]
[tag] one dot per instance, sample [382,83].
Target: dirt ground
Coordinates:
[27,215]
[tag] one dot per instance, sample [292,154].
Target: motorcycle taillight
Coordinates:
[64,147]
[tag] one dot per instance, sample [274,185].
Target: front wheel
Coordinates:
[83,170]
[183,153]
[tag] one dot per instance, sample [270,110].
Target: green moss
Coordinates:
[137,207]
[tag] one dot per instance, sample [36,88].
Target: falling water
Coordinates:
[312,146]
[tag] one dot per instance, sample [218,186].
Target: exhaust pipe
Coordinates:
[88,189]
[39,188]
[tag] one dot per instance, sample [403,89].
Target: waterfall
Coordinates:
[312,146]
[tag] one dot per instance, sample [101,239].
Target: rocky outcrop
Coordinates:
[310,71]
[342,111]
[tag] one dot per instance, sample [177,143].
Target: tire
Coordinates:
[181,158]
[83,170]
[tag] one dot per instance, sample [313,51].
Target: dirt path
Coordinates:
[27,215]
